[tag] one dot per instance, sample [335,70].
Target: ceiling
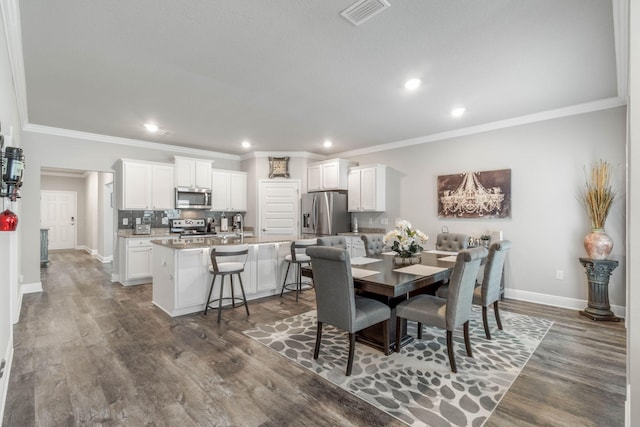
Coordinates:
[286,75]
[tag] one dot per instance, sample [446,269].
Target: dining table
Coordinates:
[380,277]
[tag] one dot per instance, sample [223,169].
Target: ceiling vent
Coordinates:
[362,10]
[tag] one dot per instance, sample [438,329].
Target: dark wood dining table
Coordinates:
[392,287]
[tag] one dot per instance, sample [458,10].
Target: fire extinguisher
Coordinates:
[8,221]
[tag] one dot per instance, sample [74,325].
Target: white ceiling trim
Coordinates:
[573,110]
[49,130]
[13,33]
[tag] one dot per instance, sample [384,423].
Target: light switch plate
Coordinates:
[125,221]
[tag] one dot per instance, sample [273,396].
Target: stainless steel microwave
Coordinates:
[193,198]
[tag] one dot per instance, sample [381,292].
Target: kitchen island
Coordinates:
[181,277]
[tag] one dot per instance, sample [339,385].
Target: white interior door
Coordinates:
[279,207]
[58,213]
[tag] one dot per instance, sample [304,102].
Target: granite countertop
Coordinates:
[205,242]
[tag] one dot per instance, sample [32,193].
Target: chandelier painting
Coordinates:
[475,195]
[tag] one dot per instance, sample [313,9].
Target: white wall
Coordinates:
[9,241]
[548,223]
[633,308]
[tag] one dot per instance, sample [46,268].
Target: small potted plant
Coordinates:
[597,197]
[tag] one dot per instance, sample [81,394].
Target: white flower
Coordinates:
[404,241]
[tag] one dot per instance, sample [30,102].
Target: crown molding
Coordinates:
[49,130]
[602,104]
[13,33]
[296,154]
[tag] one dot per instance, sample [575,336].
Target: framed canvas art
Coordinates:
[278,167]
[484,194]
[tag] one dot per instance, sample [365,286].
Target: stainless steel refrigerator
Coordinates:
[325,213]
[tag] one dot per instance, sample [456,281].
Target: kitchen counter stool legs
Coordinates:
[297,257]
[238,257]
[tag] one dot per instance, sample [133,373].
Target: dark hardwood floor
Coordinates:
[91,352]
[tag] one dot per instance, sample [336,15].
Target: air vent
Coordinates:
[362,10]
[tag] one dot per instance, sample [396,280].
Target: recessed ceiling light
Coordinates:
[151,127]
[458,112]
[327,143]
[412,84]
[246,144]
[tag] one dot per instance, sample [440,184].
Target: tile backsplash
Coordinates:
[155,218]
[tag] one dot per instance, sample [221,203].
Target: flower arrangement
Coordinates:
[598,194]
[405,241]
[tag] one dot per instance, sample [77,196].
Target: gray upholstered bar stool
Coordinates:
[227,268]
[297,257]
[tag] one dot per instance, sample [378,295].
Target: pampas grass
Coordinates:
[598,195]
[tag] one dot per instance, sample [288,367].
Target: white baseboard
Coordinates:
[87,250]
[4,381]
[556,301]
[26,288]
[103,259]
[115,277]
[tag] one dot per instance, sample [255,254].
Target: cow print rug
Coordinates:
[416,385]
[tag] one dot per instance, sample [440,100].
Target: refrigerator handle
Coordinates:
[314,215]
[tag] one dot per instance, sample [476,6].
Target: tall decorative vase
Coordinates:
[598,244]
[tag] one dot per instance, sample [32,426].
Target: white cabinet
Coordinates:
[367,189]
[328,175]
[355,246]
[229,190]
[266,267]
[192,173]
[194,277]
[138,261]
[146,185]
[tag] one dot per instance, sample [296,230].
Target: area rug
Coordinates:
[416,385]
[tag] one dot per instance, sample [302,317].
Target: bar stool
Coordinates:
[298,257]
[227,268]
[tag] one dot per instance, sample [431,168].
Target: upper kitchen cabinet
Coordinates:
[193,173]
[328,175]
[367,189]
[145,185]
[229,190]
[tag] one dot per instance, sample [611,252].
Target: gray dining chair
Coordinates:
[337,303]
[373,244]
[333,241]
[452,242]
[488,291]
[448,313]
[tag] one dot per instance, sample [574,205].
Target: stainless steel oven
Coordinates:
[193,198]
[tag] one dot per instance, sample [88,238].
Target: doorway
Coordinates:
[58,213]
[279,204]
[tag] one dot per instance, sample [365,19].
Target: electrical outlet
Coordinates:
[125,221]
[384,221]
[138,220]
[165,220]
[370,221]
[559,274]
